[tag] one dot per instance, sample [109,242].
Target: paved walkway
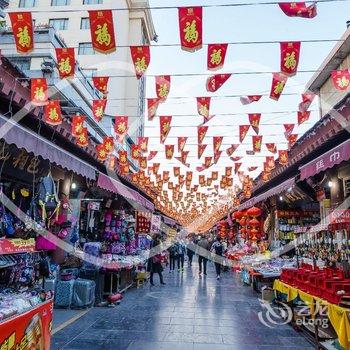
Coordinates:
[189,313]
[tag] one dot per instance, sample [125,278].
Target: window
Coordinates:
[23,63]
[27,3]
[85,23]
[92,2]
[86,49]
[60,2]
[59,23]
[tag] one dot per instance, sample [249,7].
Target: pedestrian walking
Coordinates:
[173,255]
[155,262]
[218,249]
[190,252]
[203,252]
[181,257]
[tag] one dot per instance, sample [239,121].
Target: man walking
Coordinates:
[218,249]
[173,255]
[190,252]
[203,252]
[181,258]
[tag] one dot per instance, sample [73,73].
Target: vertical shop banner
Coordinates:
[306,100]
[271,147]
[143,143]
[165,127]
[201,149]
[298,9]
[246,100]
[254,120]
[181,142]
[52,113]
[279,81]
[65,62]
[191,28]
[243,130]
[121,127]
[82,139]
[232,149]
[215,82]
[30,330]
[169,151]
[216,56]
[162,87]
[38,91]
[303,117]
[101,84]
[203,106]
[102,31]
[290,52]
[22,27]
[77,124]
[141,57]
[257,142]
[341,79]
[151,155]
[152,106]
[98,109]
[283,157]
[201,131]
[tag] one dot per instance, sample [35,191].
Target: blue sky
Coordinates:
[232,24]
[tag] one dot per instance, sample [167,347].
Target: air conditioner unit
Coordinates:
[48,65]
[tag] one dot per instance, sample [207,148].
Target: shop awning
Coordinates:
[328,160]
[284,186]
[13,133]
[117,187]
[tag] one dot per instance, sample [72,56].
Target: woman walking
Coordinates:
[155,261]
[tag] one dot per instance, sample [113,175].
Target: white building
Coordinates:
[133,26]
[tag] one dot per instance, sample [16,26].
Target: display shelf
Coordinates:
[16,246]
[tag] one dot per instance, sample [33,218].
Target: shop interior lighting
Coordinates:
[74,186]
[330,184]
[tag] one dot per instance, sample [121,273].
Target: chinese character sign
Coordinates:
[283,157]
[254,120]
[101,84]
[52,113]
[190,25]
[290,52]
[215,82]
[98,109]
[121,127]
[216,56]
[341,79]
[298,9]
[243,130]
[22,26]
[102,31]
[141,57]
[181,142]
[152,106]
[38,91]
[65,62]
[165,126]
[83,139]
[203,106]
[77,125]
[162,87]
[201,131]
[279,81]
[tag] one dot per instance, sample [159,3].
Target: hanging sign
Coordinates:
[215,82]
[22,27]
[216,56]
[141,57]
[290,52]
[190,24]
[254,120]
[121,127]
[38,91]
[98,109]
[163,87]
[279,81]
[165,127]
[52,113]
[65,62]
[201,131]
[298,9]
[341,79]
[152,106]
[101,84]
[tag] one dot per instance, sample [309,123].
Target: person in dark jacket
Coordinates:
[190,252]
[203,251]
[173,256]
[218,249]
[155,261]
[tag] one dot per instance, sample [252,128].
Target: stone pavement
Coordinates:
[191,312]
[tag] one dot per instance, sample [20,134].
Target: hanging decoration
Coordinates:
[217,141]
[216,56]
[165,126]
[246,100]
[141,56]
[271,147]
[208,162]
[152,106]
[217,156]
[143,162]
[101,84]
[298,9]
[162,87]
[183,158]
[102,31]
[143,143]
[52,113]
[123,157]
[83,139]
[121,127]
[151,155]
[243,130]
[257,141]
[201,131]
[108,144]
[236,159]
[292,139]
[156,167]
[252,168]
[215,82]
[169,151]
[341,79]
[135,152]
[290,52]
[206,119]
[98,109]
[203,106]
[65,62]
[232,149]
[77,124]
[228,171]
[254,120]
[38,91]
[270,161]
[190,24]
[303,117]
[201,149]
[237,167]
[283,157]
[22,27]
[288,130]
[306,100]
[101,153]
[181,142]
[279,81]
[176,170]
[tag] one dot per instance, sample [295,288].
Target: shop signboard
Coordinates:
[15,246]
[340,216]
[31,330]
[155,223]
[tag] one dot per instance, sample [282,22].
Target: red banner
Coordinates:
[38,91]
[181,142]
[246,100]
[151,155]
[203,106]
[298,9]
[215,82]
[341,79]
[65,62]
[292,139]
[290,52]
[22,26]
[237,167]
[135,152]
[30,330]
[98,109]
[232,149]
[83,138]
[271,147]
[217,141]
[270,162]
[217,156]
[176,170]
[141,56]
[228,171]
[216,56]
[190,24]
[102,31]
[243,130]
[279,81]
[252,168]
[201,149]
[123,157]
[52,113]
[236,159]
[254,120]
[121,127]
[169,151]
[77,124]
[15,246]
[162,87]
[201,131]
[208,162]
[156,167]
[283,157]
[306,100]
[303,117]
[143,144]
[101,84]
[257,141]
[165,126]
[288,129]
[143,162]
[152,106]
[108,144]
[101,153]
[214,175]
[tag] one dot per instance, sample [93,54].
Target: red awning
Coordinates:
[328,160]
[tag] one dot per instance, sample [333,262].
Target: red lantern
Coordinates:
[254,212]
[254,223]
[237,215]
[243,222]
